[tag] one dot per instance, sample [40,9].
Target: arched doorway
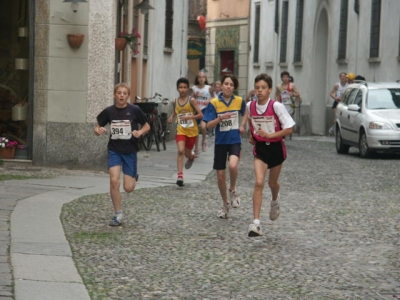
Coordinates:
[320,91]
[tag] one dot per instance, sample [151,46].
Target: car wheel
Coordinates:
[340,147]
[365,152]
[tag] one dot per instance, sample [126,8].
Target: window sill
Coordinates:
[269,64]
[256,65]
[283,65]
[298,64]
[168,50]
[374,60]
[342,61]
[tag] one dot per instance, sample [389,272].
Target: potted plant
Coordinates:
[75,40]
[7,148]
[126,38]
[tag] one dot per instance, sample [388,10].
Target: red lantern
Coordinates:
[202,22]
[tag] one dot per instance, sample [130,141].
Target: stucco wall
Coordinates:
[304,73]
[72,85]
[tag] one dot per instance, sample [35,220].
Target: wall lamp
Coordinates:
[74,4]
[144,7]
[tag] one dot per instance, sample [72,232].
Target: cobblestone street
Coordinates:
[337,236]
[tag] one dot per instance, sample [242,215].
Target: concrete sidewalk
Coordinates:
[41,257]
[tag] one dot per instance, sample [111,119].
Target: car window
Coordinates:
[358,98]
[383,99]
[352,96]
[346,94]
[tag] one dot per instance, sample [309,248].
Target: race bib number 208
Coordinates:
[231,123]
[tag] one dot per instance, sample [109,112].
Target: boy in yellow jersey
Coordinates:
[187,111]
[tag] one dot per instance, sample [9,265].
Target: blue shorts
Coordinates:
[221,152]
[128,161]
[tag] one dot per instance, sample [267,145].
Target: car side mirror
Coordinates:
[354,107]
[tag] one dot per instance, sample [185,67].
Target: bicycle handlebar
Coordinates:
[156,95]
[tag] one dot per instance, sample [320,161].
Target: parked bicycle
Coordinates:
[158,129]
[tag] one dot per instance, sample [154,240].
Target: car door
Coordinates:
[343,113]
[355,118]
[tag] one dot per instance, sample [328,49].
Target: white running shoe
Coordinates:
[223,213]
[235,200]
[254,230]
[275,211]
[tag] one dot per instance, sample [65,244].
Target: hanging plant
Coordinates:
[132,39]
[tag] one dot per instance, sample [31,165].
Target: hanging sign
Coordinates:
[195,49]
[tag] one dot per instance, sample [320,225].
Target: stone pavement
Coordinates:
[337,236]
[40,255]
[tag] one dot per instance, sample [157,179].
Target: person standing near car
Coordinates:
[336,94]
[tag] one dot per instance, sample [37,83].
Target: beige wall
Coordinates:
[219,9]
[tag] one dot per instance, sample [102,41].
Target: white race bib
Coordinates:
[231,123]
[120,130]
[266,123]
[185,123]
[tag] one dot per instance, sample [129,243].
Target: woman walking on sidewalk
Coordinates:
[269,122]
[124,119]
[187,111]
[223,113]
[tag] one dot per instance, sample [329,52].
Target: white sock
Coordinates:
[118,214]
[256,222]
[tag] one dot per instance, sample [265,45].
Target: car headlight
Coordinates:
[379,125]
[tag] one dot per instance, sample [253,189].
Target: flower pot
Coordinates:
[23,31]
[120,44]
[7,153]
[19,112]
[75,40]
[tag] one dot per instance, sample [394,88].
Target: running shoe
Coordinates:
[235,200]
[223,213]
[254,230]
[275,211]
[189,163]
[179,182]
[115,222]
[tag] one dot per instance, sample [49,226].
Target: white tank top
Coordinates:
[341,89]
[202,95]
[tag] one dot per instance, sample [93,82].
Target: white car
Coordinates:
[368,117]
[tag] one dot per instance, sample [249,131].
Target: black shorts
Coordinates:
[272,154]
[221,153]
[335,103]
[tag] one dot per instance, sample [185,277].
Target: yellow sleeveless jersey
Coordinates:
[187,127]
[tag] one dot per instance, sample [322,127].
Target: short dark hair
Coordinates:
[182,80]
[233,78]
[342,74]
[285,73]
[359,77]
[265,77]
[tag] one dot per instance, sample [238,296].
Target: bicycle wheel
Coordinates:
[154,133]
[160,132]
[146,141]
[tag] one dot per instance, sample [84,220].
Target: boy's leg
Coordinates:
[260,169]
[273,181]
[204,136]
[129,168]
[181,152]
[222,186]
[114,187]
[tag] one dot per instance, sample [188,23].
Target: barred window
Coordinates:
[276,25]
[375,28]
[256,34]
[169,21]
[284,28]
[146,35]
[299,31]
[344,10]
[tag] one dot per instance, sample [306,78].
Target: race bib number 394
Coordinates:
[120,130]
[231,123]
